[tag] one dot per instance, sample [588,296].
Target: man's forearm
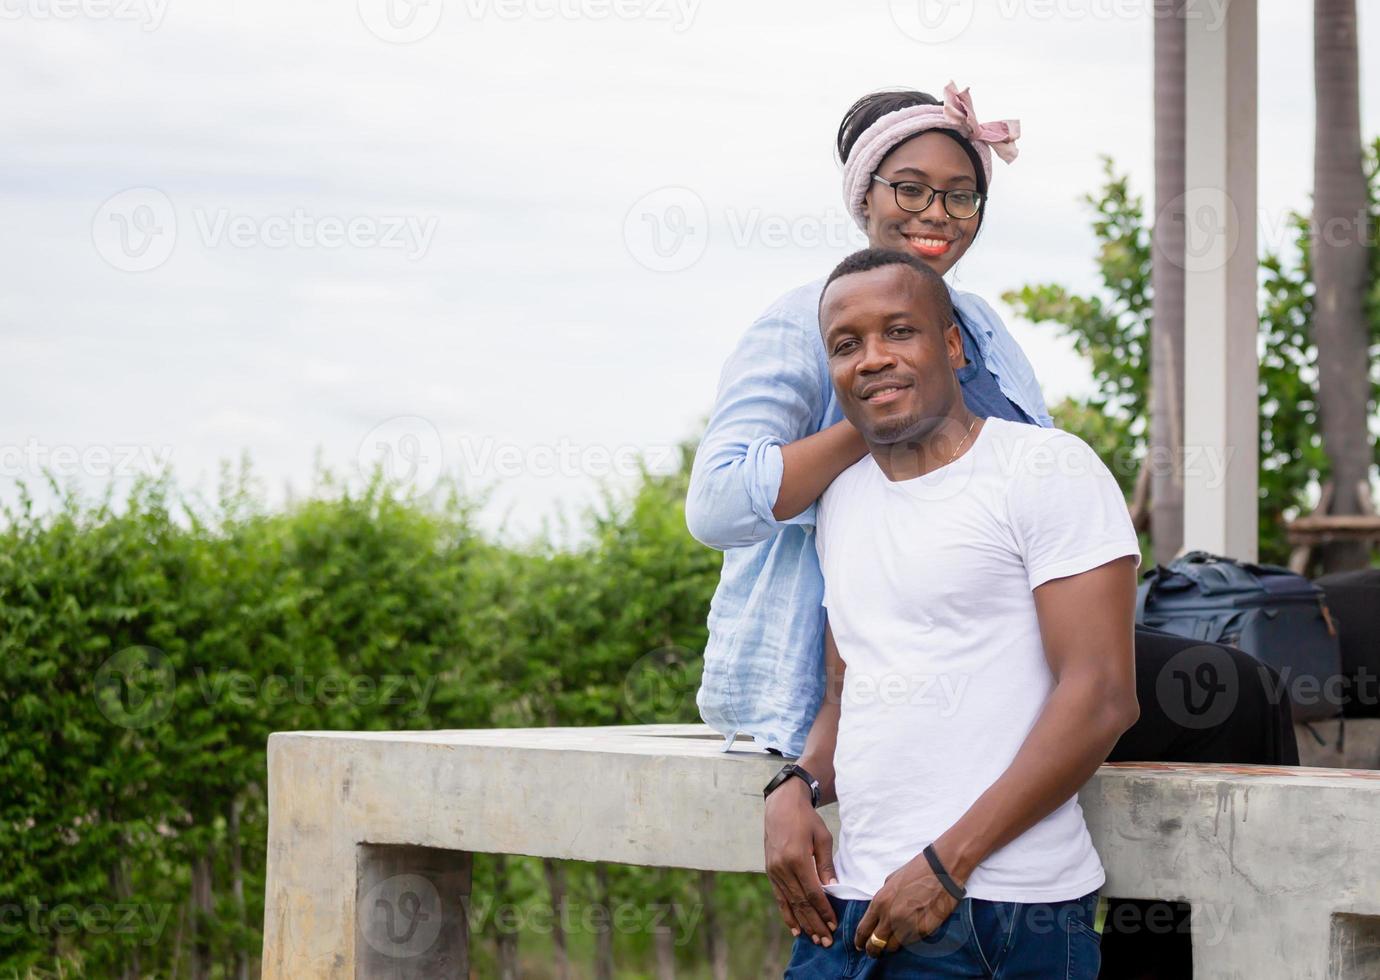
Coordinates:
[818,757]
[1073,735]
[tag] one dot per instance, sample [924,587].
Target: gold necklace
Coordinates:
[963,440]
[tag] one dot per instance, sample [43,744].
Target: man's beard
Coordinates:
[925,440]
[906,432]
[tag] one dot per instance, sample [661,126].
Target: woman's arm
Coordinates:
[761,464]
[809,465]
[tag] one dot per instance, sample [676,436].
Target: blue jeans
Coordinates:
[981,939]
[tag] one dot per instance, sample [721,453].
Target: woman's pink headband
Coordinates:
[886,133]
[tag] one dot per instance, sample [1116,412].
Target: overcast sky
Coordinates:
[509,240]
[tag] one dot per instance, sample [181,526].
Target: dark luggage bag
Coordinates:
[1279,618]
[1354,599]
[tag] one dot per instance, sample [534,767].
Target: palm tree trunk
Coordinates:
[508,967]
[555,883]
[1340,259]
[121,888]
[663,940]
[665,944]
[241,962]
[175,970]
[203,909]
[603,954]
[715,947]
[773,959]
[1167,280]
[506,941]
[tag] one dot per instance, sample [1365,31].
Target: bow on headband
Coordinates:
[1001,136]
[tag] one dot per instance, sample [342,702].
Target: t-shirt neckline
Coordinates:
[940,471]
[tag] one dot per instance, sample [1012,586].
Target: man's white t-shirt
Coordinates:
[928,585]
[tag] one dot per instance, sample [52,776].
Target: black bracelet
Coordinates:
[789,770]
[937,866]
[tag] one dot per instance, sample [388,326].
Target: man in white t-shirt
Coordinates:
[980,589]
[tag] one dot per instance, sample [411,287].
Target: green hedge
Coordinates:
[149,648]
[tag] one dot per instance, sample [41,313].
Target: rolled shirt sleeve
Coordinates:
[771,393]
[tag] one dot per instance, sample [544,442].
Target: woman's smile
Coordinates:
[928,246]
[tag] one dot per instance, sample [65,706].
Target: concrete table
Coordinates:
[370,835]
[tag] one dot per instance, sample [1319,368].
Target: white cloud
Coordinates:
[526,141]
[238,427]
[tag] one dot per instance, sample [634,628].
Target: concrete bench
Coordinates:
[1353,743]
[370,836]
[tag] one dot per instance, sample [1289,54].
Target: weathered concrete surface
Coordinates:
[1352,743]
[1266,855]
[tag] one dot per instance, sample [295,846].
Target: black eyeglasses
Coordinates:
[911,195]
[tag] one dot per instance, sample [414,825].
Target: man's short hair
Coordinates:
[878,258]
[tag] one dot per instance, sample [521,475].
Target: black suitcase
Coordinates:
[1354,600]
[1279,618]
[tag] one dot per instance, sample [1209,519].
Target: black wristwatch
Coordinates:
[789,770]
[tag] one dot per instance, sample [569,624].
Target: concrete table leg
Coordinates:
[410,913]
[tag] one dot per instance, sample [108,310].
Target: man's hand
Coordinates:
[800,861]
[800,852]
[909,906]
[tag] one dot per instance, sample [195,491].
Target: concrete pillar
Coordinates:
[411,913]
[1221,404]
